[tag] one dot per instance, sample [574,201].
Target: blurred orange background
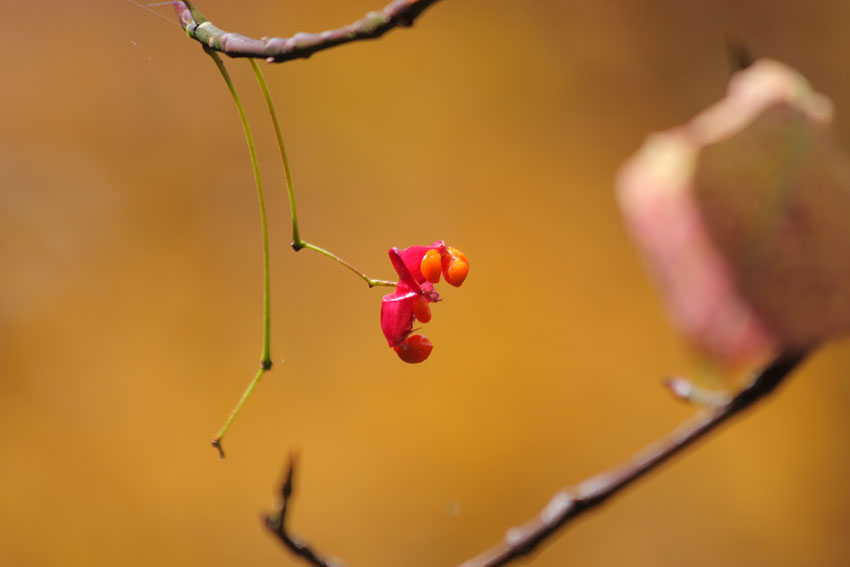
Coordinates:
[130,297]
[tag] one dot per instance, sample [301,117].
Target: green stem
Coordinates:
[287,171]
[297,242]
[367,279]
[247,394]
[265,355]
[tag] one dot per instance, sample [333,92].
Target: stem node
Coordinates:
[217,444]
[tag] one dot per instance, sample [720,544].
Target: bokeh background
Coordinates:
[131,287]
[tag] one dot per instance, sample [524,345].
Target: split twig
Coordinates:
[276,523]
[399,13]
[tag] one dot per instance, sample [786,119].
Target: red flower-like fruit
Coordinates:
[418,269]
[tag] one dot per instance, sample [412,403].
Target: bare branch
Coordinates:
[569,504]
[399,13]
[276,523]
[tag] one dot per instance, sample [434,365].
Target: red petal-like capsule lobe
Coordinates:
[414,349]
[412,258]
[397,307]
[397,316]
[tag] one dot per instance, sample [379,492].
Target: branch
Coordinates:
[399,13]
[276,523]
[569,504]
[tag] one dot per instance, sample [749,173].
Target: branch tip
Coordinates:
[276,523]
[289,480]
[217,444]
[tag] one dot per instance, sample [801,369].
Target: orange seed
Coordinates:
[430,266]
[455,266]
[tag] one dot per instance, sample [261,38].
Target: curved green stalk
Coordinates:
[265,356]
[247,394]
[297,242]
[372,282]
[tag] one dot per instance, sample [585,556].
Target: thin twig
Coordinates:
[276,523]
[399,13]
[569,504]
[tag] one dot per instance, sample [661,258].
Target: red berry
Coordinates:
[414,349]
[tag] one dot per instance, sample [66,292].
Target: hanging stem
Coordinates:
[287,171]
[265,356]
[297,242]
[247,394]
[372,282]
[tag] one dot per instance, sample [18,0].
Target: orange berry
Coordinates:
[430,266]
[421,310]
[414,349]
[457,253]
[455,266]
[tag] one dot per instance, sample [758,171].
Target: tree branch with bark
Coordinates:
[571,503]
[396,14]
